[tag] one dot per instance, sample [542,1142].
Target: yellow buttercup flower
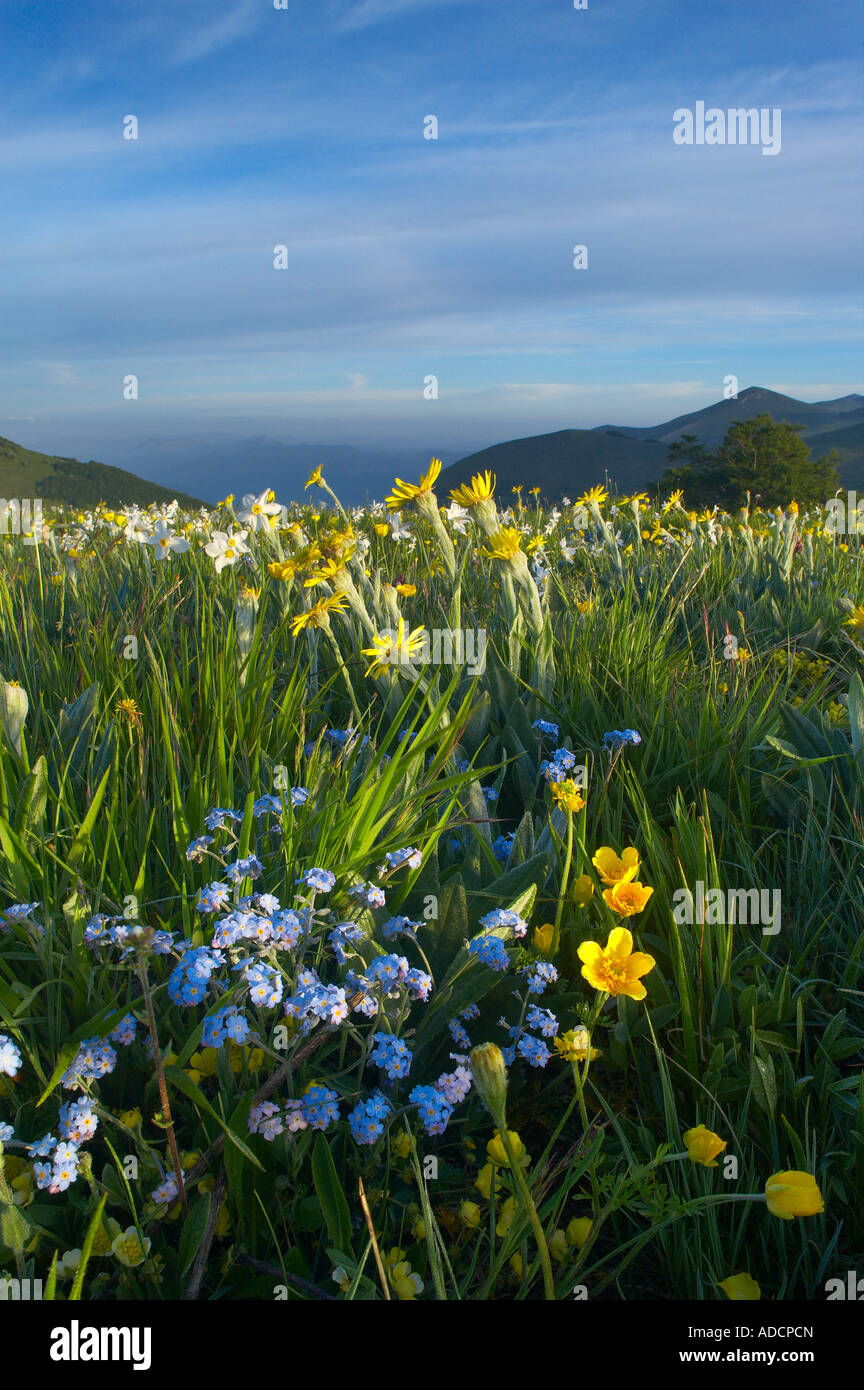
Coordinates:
[627,898]
[481,487]
[204,1063]
[792,1193]
[740,1288]
[703,1146]
[406,590]
[613,869]
[574,1045]
[407,492]
[616,968]
[381,528]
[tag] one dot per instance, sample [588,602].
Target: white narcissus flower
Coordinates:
[458,517]
[255,512]
[226,549]
[398,532]
[163,542]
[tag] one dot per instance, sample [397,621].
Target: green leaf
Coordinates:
[856,713]
[193,1232]
[33,799]
[96,1222]
[763,1081]
[330,1194]
[82,839]
[184,1083]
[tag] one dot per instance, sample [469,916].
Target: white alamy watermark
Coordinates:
[20,1290]
[22,517]
[735,126]
[77,1343]
[727,907]
[845,518]
[850,1289]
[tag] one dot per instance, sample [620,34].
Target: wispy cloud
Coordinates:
[360,14]
[203,38]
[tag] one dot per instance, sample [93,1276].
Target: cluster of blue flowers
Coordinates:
[491,950]
[125,1031]
[619,738]
[21,913]
[559,766]
[250,867]
[433,1108]
[318,1108]
[190,977]
[540,974]
[93,1060]
[504,917]
[398,926]
[503,845]
[226,1024]
[392,1054]
[368,1118]
[113,931]
[78,1122]
[545,727]
[396,858]
[368,894]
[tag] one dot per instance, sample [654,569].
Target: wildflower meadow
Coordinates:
[454,898]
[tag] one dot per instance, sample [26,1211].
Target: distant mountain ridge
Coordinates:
[633,458]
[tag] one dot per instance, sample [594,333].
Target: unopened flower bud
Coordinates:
[490,1077]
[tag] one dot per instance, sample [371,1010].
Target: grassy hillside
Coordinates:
[27,473]
[568,462]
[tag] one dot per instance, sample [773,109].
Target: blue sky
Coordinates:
[410,257]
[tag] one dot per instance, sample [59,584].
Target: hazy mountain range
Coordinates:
[567,462]
[632,457]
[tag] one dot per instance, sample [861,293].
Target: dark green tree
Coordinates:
[764,457]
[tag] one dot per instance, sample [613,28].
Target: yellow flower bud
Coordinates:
[792,1193]
[578,1231]
[740,1288]
[498,1154]
[558,1248]
[543,937]
[471,1214]
[703,1146]
[490,1077]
